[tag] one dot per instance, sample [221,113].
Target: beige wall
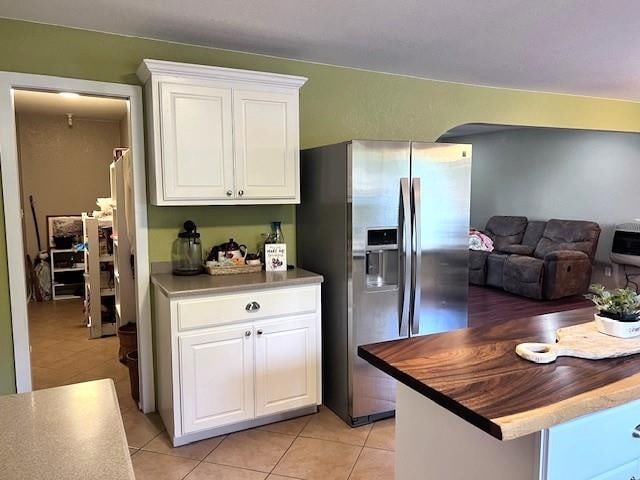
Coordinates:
[64,168]
[125,134]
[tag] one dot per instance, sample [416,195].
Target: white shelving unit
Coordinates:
[123,274]
[98,291]
[65,285]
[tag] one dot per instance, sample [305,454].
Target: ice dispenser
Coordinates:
[382,257]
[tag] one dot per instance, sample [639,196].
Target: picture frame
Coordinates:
[275,257]
[64,225]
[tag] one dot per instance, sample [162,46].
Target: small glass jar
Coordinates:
[276,231]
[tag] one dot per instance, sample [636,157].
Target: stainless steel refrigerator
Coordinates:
[386,223]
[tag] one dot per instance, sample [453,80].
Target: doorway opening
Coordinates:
[127,99]
[71,151]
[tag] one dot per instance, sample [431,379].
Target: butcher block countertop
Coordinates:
[476,374]
[70,432]
[177,286]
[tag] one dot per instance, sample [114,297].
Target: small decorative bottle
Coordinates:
[276,229]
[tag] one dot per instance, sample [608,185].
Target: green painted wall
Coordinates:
[336,104]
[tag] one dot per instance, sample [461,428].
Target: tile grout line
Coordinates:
[190,471]
[353,467]
[151,440]
[291,445]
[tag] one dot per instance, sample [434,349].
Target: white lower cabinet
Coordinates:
[285,365]
[432,443]
[229,362]
[597,446]
[220,360]
[630,471]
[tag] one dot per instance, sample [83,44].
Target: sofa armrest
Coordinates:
[516,249]
[566,273]
[566,255]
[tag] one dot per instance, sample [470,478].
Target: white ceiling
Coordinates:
[82,106]
[570,46]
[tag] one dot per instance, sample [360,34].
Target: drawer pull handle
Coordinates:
[252,307]
[636,432]
[247,333]
[259,332]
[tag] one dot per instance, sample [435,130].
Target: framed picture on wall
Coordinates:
[64,231]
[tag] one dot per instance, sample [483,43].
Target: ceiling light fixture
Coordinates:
[69,94]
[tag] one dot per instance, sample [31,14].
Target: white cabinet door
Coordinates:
[267,147]
[216,372]
[286,364]
[630,471]
[197,142]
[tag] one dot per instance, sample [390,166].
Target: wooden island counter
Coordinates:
[469,407]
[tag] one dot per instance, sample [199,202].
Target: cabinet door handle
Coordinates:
[636,432]
[247,333]
[259,332]
[241,192]
[252,307]
[229,193]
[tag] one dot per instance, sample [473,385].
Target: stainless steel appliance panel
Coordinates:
[441,186]
[323,233]
[376,168]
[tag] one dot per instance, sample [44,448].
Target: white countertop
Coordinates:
[177,286]
[66,433]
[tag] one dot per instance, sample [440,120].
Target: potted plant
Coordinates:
[618,311]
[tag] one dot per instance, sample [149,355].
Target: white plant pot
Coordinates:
[615,328]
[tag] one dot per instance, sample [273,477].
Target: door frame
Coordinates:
[13,218]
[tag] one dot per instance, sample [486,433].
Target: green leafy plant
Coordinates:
[622,304]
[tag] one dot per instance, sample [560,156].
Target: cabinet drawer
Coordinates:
[594,444]
[246,306]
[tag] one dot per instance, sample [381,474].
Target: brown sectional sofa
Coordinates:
[536,259]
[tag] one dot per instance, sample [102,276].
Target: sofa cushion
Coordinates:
[533,232]
[477,266]
[524,269]
[477,277]
[519,249]
[495,264]
[505,230]
[568,235]
[477,259]
[523,276]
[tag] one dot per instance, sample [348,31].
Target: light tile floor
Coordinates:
[62,353]
[319,446]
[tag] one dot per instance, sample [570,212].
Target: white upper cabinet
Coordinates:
[197,143]
[219,136]
[266,148]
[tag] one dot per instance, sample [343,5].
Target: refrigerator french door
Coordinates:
[386,223]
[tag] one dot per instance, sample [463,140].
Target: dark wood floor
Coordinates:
[488,305]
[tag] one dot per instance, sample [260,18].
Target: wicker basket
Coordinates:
[234,270]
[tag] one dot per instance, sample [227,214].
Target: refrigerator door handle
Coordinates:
[416,281]
[404,254]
